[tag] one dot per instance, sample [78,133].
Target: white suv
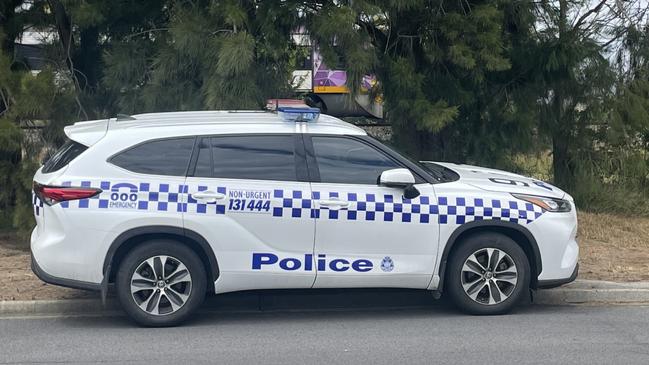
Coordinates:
[169,206]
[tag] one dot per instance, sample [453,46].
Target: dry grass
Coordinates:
[17,282]
[613,247]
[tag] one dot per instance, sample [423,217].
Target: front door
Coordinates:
[249,195]
[368,235]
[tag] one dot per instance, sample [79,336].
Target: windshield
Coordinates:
[445,173]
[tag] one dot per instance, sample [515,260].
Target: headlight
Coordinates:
[549,204]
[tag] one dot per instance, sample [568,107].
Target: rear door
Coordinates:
[249,196]
[368,235]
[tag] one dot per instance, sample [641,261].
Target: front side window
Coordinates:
[349,161]
[254,157]
[160,157]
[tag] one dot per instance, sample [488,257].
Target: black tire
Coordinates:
[478,243]
[196,290]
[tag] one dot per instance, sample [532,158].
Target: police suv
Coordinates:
[170,206]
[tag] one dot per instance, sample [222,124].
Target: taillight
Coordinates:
[56,194]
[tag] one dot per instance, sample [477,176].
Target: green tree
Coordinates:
[205,55]
[28,101]
[447,71]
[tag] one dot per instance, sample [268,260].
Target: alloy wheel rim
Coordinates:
[489,276]
[161,285]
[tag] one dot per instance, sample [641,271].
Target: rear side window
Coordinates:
[270,157]
[161,157]
[348,161]
[68,152]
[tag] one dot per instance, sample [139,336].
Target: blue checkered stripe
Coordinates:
[195,206]
[460,210]
[37,203]
[151,197]
[387,208]
[294,204]
[298,204]
[377,207]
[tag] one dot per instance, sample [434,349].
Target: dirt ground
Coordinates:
[17,282]
[612,247]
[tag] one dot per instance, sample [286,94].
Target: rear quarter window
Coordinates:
[61,158]
[159,157]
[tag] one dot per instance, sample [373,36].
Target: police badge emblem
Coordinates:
[387,264]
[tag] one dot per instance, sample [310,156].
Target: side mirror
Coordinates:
[400,178]
[396,178]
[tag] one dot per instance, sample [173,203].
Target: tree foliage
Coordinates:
[474,81]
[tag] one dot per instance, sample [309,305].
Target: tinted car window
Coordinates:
[68,152]
[161,157]
[348,161]
[269,157]
[204,159]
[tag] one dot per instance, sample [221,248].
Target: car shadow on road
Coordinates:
[286,306]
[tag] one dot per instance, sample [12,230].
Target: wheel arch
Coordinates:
[130,239]
[521,235]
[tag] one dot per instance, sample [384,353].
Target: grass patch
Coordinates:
[613,247]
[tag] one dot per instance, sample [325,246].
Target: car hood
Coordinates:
[502,181]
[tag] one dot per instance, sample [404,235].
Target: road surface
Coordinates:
[429,335]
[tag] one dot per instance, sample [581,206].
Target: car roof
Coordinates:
[207,122]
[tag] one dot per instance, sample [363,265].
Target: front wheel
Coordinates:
[160,283]
[488,274]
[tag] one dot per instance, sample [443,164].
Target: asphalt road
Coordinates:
[430,335]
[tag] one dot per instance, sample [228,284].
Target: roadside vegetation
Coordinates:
[557,89]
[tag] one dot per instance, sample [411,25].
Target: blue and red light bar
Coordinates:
[294,114]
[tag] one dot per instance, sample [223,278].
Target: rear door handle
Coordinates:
[208,196]
[334,204]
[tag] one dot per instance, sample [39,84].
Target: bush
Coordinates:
[613,181]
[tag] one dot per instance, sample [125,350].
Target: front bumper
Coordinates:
[547,284]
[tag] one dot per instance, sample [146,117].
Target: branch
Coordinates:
[64,28]
[590,12]
[5,102]
[146,32]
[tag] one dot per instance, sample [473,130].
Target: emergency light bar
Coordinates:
[291,114]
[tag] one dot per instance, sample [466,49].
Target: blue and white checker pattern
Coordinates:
[293,203]
[161,197]
[377,207]
[196,207]
[164,197]
[388,208]
[460,210]
[37,203]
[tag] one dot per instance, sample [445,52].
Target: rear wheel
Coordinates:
[161,283]
[488,274]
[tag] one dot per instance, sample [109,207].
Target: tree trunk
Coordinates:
[88,57]
[561,165]
[561,160]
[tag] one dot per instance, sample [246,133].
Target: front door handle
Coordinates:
[208,196]
[334,204]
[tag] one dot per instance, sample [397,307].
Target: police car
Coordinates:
[170,206]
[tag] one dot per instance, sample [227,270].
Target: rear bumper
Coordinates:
[68,283]
[547,284]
